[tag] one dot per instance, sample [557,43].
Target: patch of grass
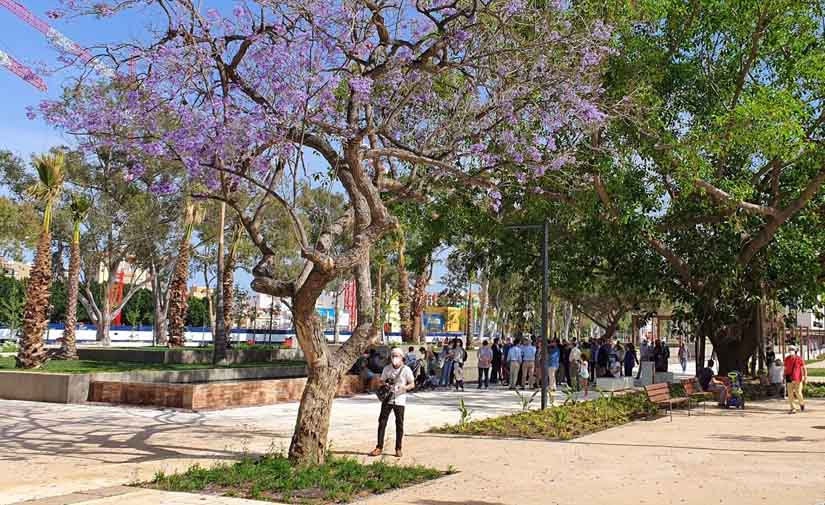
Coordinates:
[90,366]
[816,372]
[563,422]
[274,478]
[814,390]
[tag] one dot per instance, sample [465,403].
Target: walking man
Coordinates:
[795,376]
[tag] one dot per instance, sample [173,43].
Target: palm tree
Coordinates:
[79,209]
[178,300]
[50,170]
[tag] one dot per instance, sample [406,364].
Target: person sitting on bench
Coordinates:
[708,383]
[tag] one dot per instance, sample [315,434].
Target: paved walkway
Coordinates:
[82,454]
[53,449]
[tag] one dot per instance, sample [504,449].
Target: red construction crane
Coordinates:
[57,39]
[22,71]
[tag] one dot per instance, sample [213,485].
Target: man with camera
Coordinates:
[397,379]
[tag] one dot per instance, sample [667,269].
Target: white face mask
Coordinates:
[396,361]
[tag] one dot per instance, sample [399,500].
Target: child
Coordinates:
[584,374]
[777,378]
[458,375]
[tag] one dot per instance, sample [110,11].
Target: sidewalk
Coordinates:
[75,453]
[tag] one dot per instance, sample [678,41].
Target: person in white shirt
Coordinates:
[777,377]
[575,362]
[401,379]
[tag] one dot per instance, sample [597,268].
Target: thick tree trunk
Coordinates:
[736,344]
[68,348]
[309,440]
[32,354]
[312,424]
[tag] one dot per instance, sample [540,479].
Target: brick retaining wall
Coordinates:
[210,396]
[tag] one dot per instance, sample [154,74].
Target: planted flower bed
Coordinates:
[274,478]
[563,422]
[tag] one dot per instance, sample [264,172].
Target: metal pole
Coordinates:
[545,287]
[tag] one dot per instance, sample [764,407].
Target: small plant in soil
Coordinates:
[275,478]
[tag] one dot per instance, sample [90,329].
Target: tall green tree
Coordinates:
[718,163]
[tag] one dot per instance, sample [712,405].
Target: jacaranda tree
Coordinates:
[394,96]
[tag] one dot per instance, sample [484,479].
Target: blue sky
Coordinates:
[24,136]
[30,47]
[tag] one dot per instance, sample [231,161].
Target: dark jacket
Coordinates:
[497,354]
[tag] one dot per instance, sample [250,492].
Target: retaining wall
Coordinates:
[213,395]
[44,387]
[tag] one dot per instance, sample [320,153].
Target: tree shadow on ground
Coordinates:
[123,435]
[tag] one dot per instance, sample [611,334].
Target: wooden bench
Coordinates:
[659,394]
[694,392]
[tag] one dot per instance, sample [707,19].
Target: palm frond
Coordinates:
[79,207]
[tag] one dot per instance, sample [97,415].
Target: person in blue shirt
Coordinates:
[514,358]
[553,358]
[528,363]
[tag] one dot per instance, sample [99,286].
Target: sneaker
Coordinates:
[375,452]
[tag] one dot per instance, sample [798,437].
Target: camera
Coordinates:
[389,381]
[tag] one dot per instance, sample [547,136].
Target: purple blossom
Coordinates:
[361,87]
[30,113]
[513,7]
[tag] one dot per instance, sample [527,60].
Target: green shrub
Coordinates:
[563,422]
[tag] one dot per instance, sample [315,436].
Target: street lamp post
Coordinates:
[545,288]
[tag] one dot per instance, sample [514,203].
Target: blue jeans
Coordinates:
[446,373]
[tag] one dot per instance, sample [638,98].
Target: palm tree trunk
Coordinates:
[228,292]
[68,349]
[178,302]
[32,354]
